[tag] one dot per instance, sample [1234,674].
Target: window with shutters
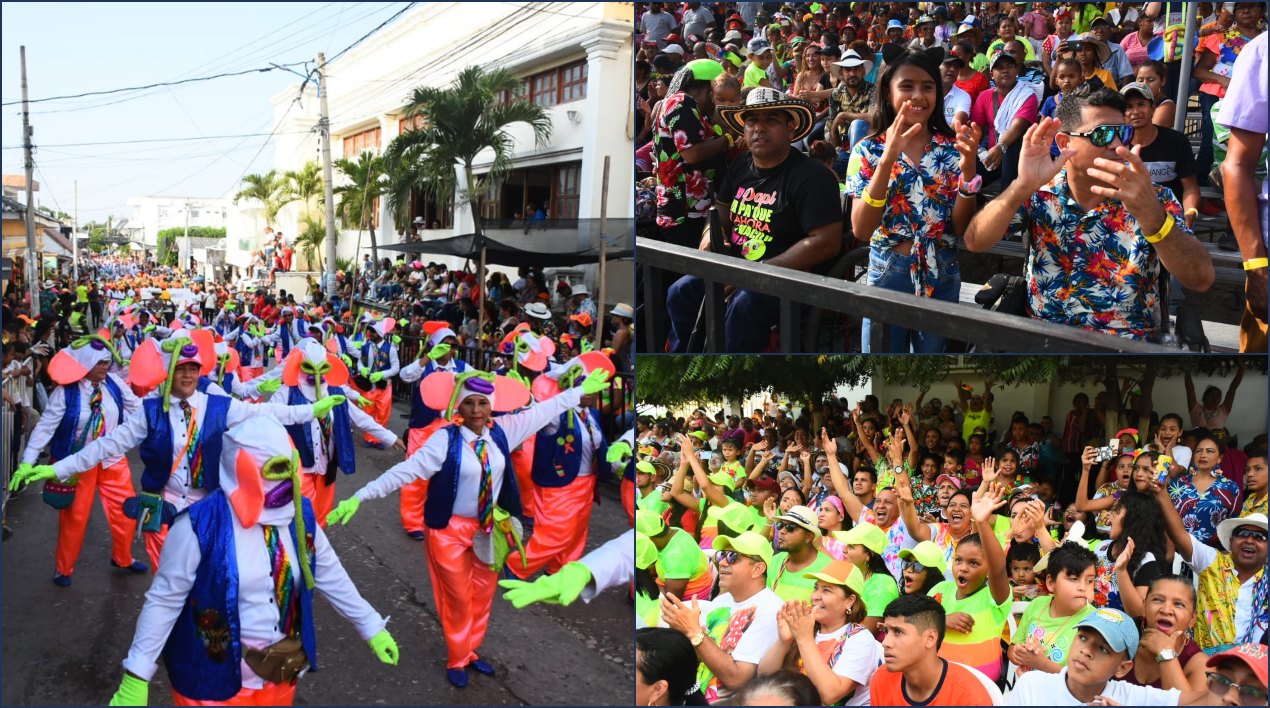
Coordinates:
[568,191]
[573,82]
[358,143]
[543,89]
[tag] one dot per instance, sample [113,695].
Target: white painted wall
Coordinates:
[154,214]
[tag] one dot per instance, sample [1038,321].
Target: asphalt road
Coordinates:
[63,646]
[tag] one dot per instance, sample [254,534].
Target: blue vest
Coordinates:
[302,434]
[285,330]
[421,415]
[244,350]
[553,466]
[203,653]
[443,488]
[156,450]
[226,383]
[64,443]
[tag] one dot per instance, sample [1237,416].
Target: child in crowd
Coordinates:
[1067,77]
[922,568]
[1046,630]
[1022,559]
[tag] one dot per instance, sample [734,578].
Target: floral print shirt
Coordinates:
[1201,513]
[1093,269]
[682,190]
[919,202]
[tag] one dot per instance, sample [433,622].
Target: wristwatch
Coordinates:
[697,638]
[1166,655]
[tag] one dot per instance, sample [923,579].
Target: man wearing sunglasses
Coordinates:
[798,555]
[1233,584]
[742,620]
[1099,229]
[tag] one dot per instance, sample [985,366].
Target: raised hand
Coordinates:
[802,619]
[1129,182]
[989,471]
[1087,457]
[595,382]
[968,138]
[769,509]
[991,500]
[1036,167]
[1122,560]
[828,444]
[438,351]
[905,128]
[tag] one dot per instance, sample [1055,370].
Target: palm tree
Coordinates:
[265,189]
[303,185]
[460,121]
[357,199]
[310,239]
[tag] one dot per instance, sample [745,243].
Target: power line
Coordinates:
[156,85]
[379,27]
[147,140]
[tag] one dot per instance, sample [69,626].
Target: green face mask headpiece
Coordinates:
[277,469]
[318,372]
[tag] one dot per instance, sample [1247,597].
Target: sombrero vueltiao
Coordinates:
[768,99]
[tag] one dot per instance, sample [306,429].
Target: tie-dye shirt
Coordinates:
[981,647]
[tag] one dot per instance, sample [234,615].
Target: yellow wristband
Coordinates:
[1165,229]
[1190,211]
[877,203]
[1256,263]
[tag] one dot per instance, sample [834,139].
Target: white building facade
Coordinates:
[150,215]
[576,61]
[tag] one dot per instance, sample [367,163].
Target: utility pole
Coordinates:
[75,232]
[324,128]
[32,258]
[185,257]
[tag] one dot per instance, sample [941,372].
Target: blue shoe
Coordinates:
[482,666]
[415,535]
[457,677]
[62,580]
[136,567]
[379,446]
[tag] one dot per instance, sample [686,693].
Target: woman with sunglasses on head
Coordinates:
[824,638]
[1204,497]
[1099,228]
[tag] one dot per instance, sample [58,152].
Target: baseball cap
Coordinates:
[842,573]
[928,553]
[1144,91]
[702,70]
[648,523]
[955,482]
[1100,19]
[735,516]
[723,479]
[645,552]
[1115,627]
[996,59]
[1254,655]
[803,516]
[733,36]
[748,543]
[894,24]
[866,534]
[763,483]
[758,45]
[700,435]
[673,49]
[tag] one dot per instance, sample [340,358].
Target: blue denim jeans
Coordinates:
[747,320]
[889,270]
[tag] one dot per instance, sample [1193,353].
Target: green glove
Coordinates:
[519,377]
[376,377]
[348,360]
[585,345]
[618,453]
[396,339]
[270,386]
[365,371]
[384,647]
[324,406]
[148,328]
[28,474]
[365,403]
[559,589]
[344,511]
[438,351]
[132,692]
[595,381]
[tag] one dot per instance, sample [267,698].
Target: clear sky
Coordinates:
[73,48]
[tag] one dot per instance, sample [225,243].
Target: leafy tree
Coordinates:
[168,247]
[97,243]
[461,121]
[356,207]
[309,241]
[303,185]
[266,189]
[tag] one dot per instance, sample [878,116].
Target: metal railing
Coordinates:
[794,289]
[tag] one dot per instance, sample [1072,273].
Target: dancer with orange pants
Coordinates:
[88,403]
[424,420]
[531,355]
[235,593]
[325,445]
[378,365]
[469,488]
[569,453]
[179,432]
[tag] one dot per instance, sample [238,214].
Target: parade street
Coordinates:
[63,646]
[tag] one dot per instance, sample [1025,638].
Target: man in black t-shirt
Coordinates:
[777,207]
[1166,152]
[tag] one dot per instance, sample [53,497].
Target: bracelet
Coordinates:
[1256,263]
[876,203]
[1165,229]
[1190,211]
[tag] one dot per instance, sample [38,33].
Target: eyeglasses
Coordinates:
[787,526]
[1248,695]
[1250,533]
[912,565]
[730,556]
[1104,134]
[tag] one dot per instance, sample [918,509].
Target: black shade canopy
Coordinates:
[539,244]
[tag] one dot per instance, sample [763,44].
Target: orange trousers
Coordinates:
[414,494]
[560,528]
[628,499]
[463,588]
[381,410]
[247,373]
[522,463]
[322,495]
[115,484]
[271,694]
